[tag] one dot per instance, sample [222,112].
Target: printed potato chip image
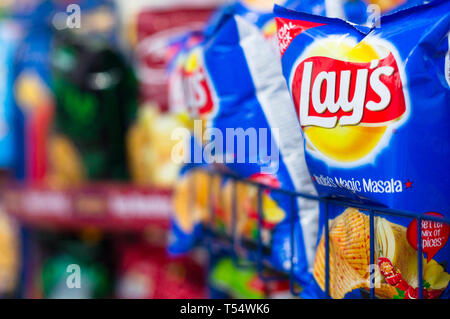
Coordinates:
[348,254]
[346,143]
[435,275]
[349,235]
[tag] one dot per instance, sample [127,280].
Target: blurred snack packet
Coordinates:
[249,97]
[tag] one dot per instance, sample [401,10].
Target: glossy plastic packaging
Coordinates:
[373,109]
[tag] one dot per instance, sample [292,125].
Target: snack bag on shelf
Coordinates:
[151,145]
[192,96]
[189,210]
[34,101]
[153,135]
[234,85]
[373,110]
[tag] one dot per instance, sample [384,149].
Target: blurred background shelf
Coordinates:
[113,207]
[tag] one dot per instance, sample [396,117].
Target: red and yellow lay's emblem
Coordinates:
[198,93]
[348,95]
[333,92]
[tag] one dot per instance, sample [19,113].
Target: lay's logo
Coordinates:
[331,92]
[198,93]
[349,95]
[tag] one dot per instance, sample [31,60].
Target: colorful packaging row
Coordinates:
[65,113]
[70,103]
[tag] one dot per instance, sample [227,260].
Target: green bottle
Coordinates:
[96,96]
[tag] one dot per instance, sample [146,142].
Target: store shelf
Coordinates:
[259,257]
[119,207]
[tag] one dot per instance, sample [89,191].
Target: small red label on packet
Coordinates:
[434,235]
[289,29]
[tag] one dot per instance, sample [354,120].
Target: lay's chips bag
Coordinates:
[373,110]
[234,89]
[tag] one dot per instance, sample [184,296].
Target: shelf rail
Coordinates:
[293,195]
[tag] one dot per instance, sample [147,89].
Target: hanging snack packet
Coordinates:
[9,39]
[190,206]
[249,129]
[237,100]
[32,89]
[373,110]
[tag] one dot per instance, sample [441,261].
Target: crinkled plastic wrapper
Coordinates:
[373,110]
